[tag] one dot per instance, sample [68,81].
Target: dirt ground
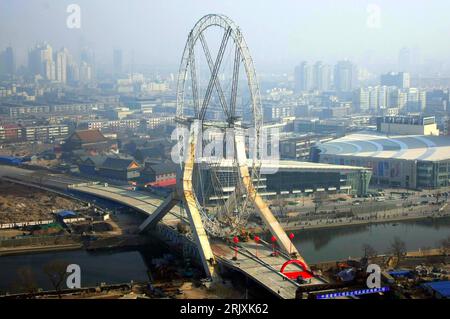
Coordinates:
[21,204]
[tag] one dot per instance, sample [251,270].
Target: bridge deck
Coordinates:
[146,203]
[265,269]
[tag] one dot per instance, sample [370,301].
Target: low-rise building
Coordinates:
[124,169]
[159,172]
[407,125]
[89,140]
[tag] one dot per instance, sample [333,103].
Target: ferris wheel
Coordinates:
[217,89]
[219,105]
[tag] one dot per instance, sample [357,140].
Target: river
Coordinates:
[341,242]
[96,267]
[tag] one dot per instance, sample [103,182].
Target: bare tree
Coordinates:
[445,244]
[39,176]
[398,249]
[281,204]
[56,270]
[369,251]
[319,199]
[25,280]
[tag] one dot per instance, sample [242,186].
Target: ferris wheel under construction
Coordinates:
[219,100]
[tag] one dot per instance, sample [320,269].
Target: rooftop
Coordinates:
[406,147]
[88,136]
[119,163]
[441,287]
[284,165]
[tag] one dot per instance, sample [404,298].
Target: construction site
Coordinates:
[25,204]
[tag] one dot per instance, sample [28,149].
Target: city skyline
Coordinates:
[368,33]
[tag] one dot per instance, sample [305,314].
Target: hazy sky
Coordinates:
[278,32]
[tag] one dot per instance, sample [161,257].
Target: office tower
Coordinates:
[40,62]
[415,100]
[437,100]
[397,98]
[87,55]
[50,70]
[61,65]
[361,101]
[73,72]
[373,99]
[383,101]
[321,76]
[46,55]
[34,62]
[85,72]
[7,62]
[303,77]
[117,61]
[344,76]
[400,80]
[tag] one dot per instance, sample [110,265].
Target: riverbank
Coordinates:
[39,249]
[400,218]
[101,244]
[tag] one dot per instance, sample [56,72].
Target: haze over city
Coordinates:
[279,33]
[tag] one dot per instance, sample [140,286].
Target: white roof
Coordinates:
[286,165]
[405,147]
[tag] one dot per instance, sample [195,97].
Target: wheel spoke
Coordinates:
[213,81]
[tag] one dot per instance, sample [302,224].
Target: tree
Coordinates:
[369,251]
[39,176]
[25,280]
[319,199]
[281,204]
[445,244]
[56,270]
[398,249]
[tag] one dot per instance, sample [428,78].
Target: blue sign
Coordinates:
[352,293]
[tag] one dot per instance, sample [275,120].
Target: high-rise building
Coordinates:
[117,61]
[40,62]
[61,65]
[416,100]
[401,80]
[87,55]
[397,98]
[73,72]
[344,76]
[7,62]
[34,62]
[85,72]
[437,100]
[373,99]
[383,97]
[361,100]
[303,77]
[321,76]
